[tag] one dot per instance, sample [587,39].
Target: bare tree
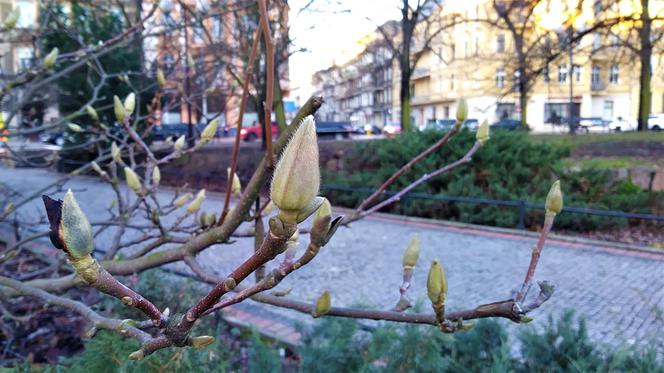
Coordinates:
[178,230]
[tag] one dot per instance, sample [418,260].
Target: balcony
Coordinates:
[420,73]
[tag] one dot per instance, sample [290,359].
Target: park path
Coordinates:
[619,292]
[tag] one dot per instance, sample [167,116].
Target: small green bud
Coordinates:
[210,131]
[321,224]
[482,135]
[70,229]
[130,103]
[554,200]
[115,153]
[202,219]
[236,188]
[51,58]
[92,113]
[95,166]
[412,253]
[197,202]
[133,181]
[180,201]
[201,341]
[179,143]
[156,176]
[12,18]
[120,111]
[211,219]
[161,79]
[137,355]
[75,127]
[154,215]
[323,305]
[462,112]
[9,208]
[296,178]
[436,283]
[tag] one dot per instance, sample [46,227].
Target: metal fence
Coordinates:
[521,205]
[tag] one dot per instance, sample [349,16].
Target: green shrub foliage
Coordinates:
[508,167]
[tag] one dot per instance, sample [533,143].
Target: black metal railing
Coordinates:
[522,205]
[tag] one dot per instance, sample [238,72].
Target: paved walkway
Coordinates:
[620,292]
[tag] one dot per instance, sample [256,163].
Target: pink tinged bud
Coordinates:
[70,228]
[297,176]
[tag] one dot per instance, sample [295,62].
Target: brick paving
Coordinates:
[620,292]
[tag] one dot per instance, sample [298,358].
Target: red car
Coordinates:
[255,131]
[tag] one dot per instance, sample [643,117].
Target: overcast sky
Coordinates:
[329,31]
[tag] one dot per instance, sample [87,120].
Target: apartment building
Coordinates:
[201,49]
[359,90]
[477,61]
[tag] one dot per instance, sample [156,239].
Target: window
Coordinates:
[594,75]
[500,78]
[25,58]
[217,29]
[545,72]
[613,75]
[608,110]
[615,40]
[576,72]
[28,13]
[452,82]
[597,41]
[452,51]
[500,43]
[562,74]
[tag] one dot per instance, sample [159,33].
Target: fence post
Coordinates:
[522,215]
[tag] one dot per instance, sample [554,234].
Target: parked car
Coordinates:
[507,124]
[471,124]
[255,131]
[366,129]
[592,124]
[440,124]
[391,130]
[338,130]
[656,122]
[620,124]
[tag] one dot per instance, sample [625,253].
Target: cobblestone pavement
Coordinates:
[620,292]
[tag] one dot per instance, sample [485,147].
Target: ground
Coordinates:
[619,291]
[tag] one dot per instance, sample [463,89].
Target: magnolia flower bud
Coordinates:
[436,284]
[12,18]
[197,202]
[201,341]
[210,131]
[236,188]
[323,305]
[156,176]
[9,208]
[115,153]
[554,200]
[202,219]
[180,201]
[75,127]
[51,58]
[133,181]
[482,135]
[211,219]
[92,113]
[70,230]
[120,111]
[462,111]
[321,224]
[161,79]
[95,166]
[297,176]
[412,253]
[179,143]
[130,103]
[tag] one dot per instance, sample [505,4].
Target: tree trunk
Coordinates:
[645,54]
[404,97]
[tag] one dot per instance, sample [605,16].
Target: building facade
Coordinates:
[360,90]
